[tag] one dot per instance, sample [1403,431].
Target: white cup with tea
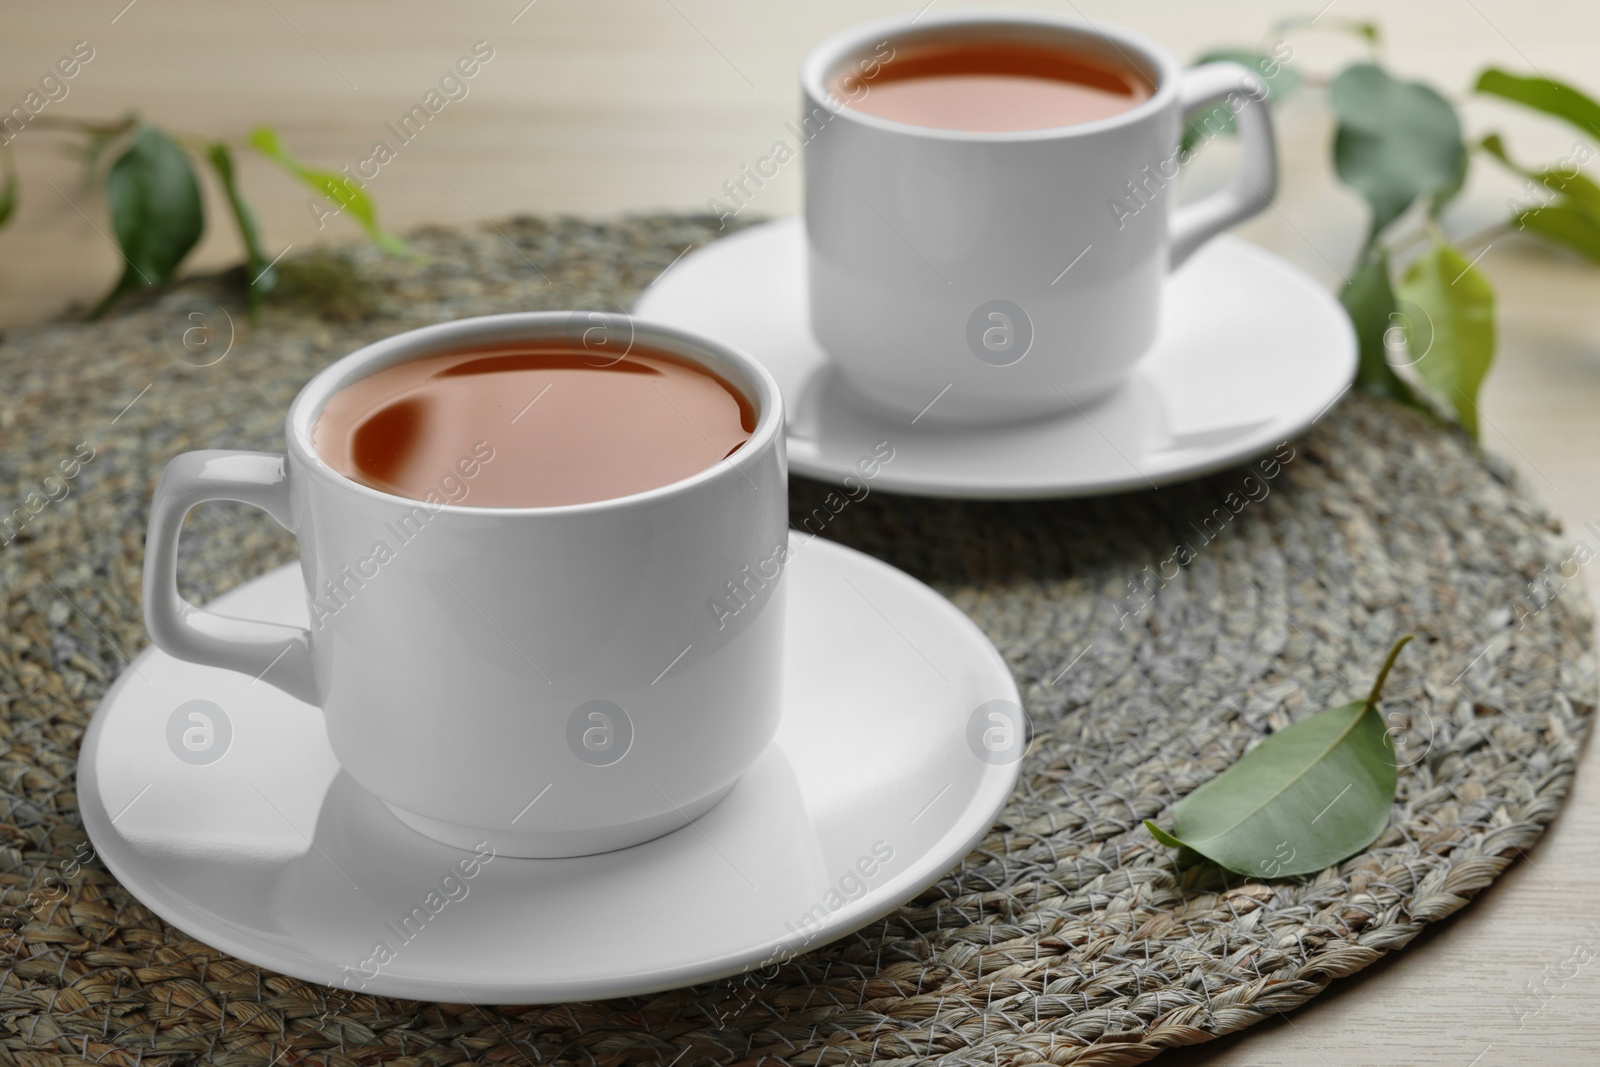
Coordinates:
[988,206]
[522,538]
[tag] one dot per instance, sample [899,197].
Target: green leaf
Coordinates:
[1567,224]
[262,276]
[1543,94]
[1549,182]
[1367,31]
[1565,203]
[155,211]
[1577,187]
[1305,798]
[1396,141]
[1280,82]
[340,190]
[1161,835]
[1458,304]
[1370,301]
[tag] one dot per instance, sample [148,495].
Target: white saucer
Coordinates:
[273,854]
[1250,353]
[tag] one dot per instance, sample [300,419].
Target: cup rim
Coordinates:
[712,355]
[822,58]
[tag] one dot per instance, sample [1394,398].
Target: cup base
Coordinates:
[954,409]
[561,844]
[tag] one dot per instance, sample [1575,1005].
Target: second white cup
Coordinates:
[988,277]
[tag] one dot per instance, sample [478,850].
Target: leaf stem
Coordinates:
[1383,672]
[1402,244]
[1484,236]
[1428,231]
[1465,244]
[192,141]
[109,128]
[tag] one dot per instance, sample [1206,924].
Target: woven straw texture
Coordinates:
[1068,936]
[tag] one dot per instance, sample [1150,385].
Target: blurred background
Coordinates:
[601,107]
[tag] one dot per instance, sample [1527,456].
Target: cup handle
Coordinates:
[1194,224]
[271,652]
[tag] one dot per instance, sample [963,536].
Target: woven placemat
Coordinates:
[1067,936]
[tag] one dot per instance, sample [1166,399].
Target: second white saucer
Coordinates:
[1250,353]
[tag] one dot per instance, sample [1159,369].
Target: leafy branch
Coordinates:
[1424,315]
[152,190]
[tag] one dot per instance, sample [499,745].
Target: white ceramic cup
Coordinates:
[990,277]
[556,681]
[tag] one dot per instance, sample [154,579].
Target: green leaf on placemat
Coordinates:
[1396,141]
[260,275]
[1542,94]
[342,192]
[155,211]
[1306,797]
[1453,348]
[1279,79]
[1370,302]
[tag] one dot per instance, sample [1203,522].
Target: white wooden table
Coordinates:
[603,106]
